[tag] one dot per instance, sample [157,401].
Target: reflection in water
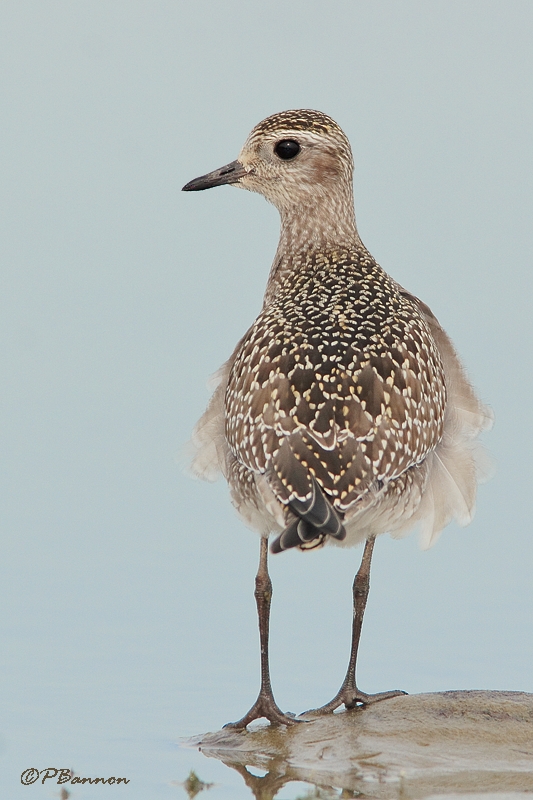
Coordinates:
[498,785]
[262,788]
[268,786]
[193,785]
[407,748]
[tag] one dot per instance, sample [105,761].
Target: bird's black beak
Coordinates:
[231,173]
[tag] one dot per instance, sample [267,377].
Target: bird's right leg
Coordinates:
[349,694]
[265,705]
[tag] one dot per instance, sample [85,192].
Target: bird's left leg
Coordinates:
[265,705]
[349,694]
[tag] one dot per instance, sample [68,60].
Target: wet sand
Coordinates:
[451,744]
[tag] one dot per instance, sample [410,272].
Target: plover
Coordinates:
[344,411]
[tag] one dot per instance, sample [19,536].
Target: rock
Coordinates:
[412,746]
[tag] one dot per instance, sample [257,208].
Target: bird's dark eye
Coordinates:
[287,149]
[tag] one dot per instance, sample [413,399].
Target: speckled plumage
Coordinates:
[344,411]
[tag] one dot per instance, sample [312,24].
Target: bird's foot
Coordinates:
[351,697]
[264,706]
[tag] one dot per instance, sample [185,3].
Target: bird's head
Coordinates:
[294,159]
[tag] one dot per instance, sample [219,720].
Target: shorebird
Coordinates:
[344,411]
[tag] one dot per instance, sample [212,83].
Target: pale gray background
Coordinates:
[127,613]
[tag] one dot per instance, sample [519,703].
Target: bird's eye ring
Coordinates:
[287,149]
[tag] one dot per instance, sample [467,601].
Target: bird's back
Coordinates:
[338,379]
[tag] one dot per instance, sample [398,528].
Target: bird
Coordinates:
[344,411]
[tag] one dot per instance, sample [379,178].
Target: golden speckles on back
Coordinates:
[343,365]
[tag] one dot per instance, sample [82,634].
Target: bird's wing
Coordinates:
[351,421]
[474,416]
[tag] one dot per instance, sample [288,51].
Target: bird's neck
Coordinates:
[325,225]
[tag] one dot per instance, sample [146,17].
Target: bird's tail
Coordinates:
[315,519]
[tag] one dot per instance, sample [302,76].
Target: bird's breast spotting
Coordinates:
[339,375]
